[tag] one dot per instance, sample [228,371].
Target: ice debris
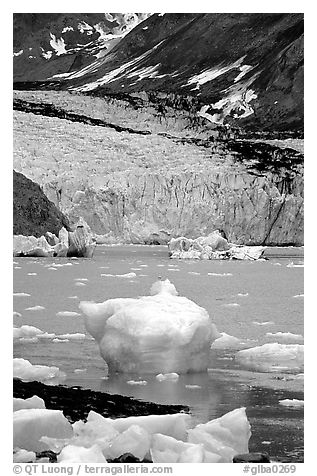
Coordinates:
[32,402]
[161,333]
[292,403]
[173,376]
[163,438]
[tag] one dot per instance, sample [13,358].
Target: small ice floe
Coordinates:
[219,274]
[26,331]
[46,335]
[15,262]
[293,265]
[17,267]
[272,357]
[79,371]
[32,274]
[57,340]
[161,265]
[298,296]
[81,279]
[172,376]
[292,403]
[16,314]
[173,269]
[28,372]
[135,269]
[141,276]
[266,442]
[60,265]
[277,264]
[21,294]
[52,269]
[127,275]
[73,297]
[137,382]
[67,314]
[193,272]
[32,402]
[28,340]
[243,294]
[231,304]
[103,267]
[79,283]
[35,308]
[76,336]
[226,341]
[144,265]
[266,323]
[23,456]
[107,275]
[193,386]
[285,336]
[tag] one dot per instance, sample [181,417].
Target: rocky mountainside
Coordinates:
[243,69]
[33,213]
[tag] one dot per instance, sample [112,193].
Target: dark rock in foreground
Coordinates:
[252,458]
[33,213]
[76,402]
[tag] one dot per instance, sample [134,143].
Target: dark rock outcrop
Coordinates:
[33,213]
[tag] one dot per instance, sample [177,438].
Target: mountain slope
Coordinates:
[242,69]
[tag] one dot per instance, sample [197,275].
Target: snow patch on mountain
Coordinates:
[115,74]
[212,73]
[84,27]
[58,44]
[67,28]
[19,53]
[46,54]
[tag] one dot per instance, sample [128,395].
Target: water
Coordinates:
[237,295]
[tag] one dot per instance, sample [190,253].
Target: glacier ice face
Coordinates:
[273,357]
[161,333]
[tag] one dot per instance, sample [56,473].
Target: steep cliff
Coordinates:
[33,213]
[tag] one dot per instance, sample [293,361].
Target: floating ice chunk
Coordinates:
[161,333]
[35,308]
[57,340]
[266,323]
[298,296]
[231,304]
[219,274]
[79,283]
[127,275]
[81,279]
[137,382]
[17,267]
[29,425]
[170,376]
[272,357]
[73,297]
[32,274]
[27,372]
[292,265]
[67,314]
[76,336]
[26,331]
[286,336]
[46,335]
[193,386]
[226,436]
[144,265]
[32,402]
[165,449]
[135,440]
[24,456]
[193,272]
[16,314]
[78,371]
[243,294]
[51,268]
[226,341]
[277,264]
[292,403]
[21,294]
[79,454]
[135,269]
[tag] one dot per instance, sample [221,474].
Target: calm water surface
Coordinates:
[237,295]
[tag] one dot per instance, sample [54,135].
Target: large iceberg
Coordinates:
[161,333]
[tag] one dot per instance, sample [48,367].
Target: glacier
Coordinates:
[157,334]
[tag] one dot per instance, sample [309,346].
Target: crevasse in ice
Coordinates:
[160,333]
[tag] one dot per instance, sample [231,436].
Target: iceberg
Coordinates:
[157,334]
[32,402]
[273,357]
